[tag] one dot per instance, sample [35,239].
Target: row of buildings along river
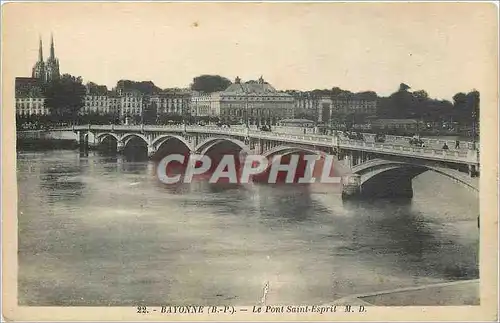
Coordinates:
[254,100]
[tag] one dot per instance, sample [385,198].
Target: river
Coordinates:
[97,230]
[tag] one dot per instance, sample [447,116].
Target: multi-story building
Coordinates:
[114,104]
[205,104]
[97,104]
[131,103]
[354,104]
[171,102]
[97,100]
[29,98]
[28,105]
[255,102]
[306,106]
[325,105]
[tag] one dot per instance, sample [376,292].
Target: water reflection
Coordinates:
[284,202]
[395,228]
[129,239]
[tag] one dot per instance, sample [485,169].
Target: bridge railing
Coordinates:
[297,138]
[470,156]
[454,155]
[367,137]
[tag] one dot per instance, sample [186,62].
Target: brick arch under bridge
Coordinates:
[385,178]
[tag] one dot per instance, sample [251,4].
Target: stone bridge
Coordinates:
[373,169]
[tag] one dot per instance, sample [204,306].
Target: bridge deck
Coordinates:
[462,156]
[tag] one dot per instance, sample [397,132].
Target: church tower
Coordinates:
[52,65]
[39,68]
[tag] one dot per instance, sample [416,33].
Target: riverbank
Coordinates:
[458,293]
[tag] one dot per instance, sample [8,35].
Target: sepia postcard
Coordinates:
[250,161]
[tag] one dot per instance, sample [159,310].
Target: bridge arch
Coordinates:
[210,143]
[157,142]
[304,169]
[100,137]
[129,136]
[379,177]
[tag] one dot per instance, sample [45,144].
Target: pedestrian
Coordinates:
[445,146]
[457,144]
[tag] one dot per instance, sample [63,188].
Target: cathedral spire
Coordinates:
[52,65]
[52,54]
[40,51]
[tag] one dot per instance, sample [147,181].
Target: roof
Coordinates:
[253,88]
[28,86]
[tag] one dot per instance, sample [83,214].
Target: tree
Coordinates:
[460,106]
[65,97]
[473,103]
[210,83]
[150,113]
[366,95]
[95,89]
[400,104]
[144,87]
[421,95]
[336,91]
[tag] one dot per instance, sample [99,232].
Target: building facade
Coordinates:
[29,106]
[96,104]
[205,104]
[171,102]
[344,104]
[131,103]
[29,97]
[306,106]
[255,102]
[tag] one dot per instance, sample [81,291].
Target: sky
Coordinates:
[441,48]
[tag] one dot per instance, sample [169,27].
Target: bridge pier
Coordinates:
[351,187]
[83,140]
[473,172]
[120,146]
[400,187]
[151,151]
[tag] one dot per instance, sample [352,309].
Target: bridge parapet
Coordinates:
[465,156]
